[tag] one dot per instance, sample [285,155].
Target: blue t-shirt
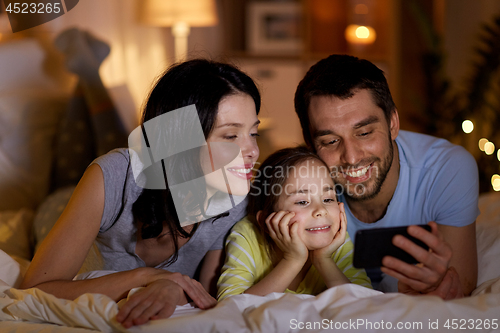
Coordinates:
[438,181]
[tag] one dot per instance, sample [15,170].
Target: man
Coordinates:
[390,177]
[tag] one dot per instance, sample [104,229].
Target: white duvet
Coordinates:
[349,308]
[345,308]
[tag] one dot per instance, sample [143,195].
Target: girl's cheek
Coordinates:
[295,219]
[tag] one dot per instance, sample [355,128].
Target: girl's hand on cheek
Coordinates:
[337,241]
[286,237]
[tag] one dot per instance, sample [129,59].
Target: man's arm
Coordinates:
[452,204]
[464,259]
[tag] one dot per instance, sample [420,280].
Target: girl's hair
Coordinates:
[203,83]
[269,183]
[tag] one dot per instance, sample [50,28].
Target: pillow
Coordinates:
[488,237]
[33,90]
[48,213]
[12,270]
[28,124]
[27,64]
[15,233]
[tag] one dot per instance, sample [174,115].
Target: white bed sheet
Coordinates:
[341,307]
[345,308]
[25,327]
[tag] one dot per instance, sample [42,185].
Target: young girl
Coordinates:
[295,238]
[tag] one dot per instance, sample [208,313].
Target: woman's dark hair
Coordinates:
[269,183]
[341,76]
[198,82]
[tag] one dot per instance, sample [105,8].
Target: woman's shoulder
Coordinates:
[116,157]
[115,166]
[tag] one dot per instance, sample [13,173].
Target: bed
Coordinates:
[28,124]
[346,308]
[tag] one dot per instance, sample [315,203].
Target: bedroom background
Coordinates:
[305,31]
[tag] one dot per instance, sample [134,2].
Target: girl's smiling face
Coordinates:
[309,192]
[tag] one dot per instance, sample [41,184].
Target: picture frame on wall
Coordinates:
[274,28]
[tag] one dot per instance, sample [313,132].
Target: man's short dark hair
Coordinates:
[341,76]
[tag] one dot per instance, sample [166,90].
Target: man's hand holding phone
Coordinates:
[396,250]
[433,275]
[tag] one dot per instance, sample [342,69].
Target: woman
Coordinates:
[137,231]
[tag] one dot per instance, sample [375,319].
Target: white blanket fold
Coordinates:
[344,308]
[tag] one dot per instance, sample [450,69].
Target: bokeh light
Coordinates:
[361,8]
[482,142]
[495,182]
[489,148]
[467,126]
[360,34]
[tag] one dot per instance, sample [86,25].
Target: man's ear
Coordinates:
[394,124]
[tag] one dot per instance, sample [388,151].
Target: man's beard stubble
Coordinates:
[385,167]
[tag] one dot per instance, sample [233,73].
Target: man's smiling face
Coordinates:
[354,138]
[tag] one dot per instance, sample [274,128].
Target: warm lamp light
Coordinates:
[360,21]
[181,15]
[360,34]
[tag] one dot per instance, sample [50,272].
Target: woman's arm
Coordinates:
[210,270]
[64,249]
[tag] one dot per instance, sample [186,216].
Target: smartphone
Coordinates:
[371,245]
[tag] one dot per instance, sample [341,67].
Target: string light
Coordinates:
[467,126]
[482,142]
[489,148]
[495,182]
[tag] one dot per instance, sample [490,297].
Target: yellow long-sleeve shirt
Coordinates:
[247,262]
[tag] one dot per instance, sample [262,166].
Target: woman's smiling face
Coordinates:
[309,192]
[236,123]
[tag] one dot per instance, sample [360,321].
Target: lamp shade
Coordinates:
[166,13]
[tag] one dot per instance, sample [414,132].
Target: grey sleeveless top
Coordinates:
[114,247]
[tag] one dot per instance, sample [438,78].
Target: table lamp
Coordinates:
[181,15]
